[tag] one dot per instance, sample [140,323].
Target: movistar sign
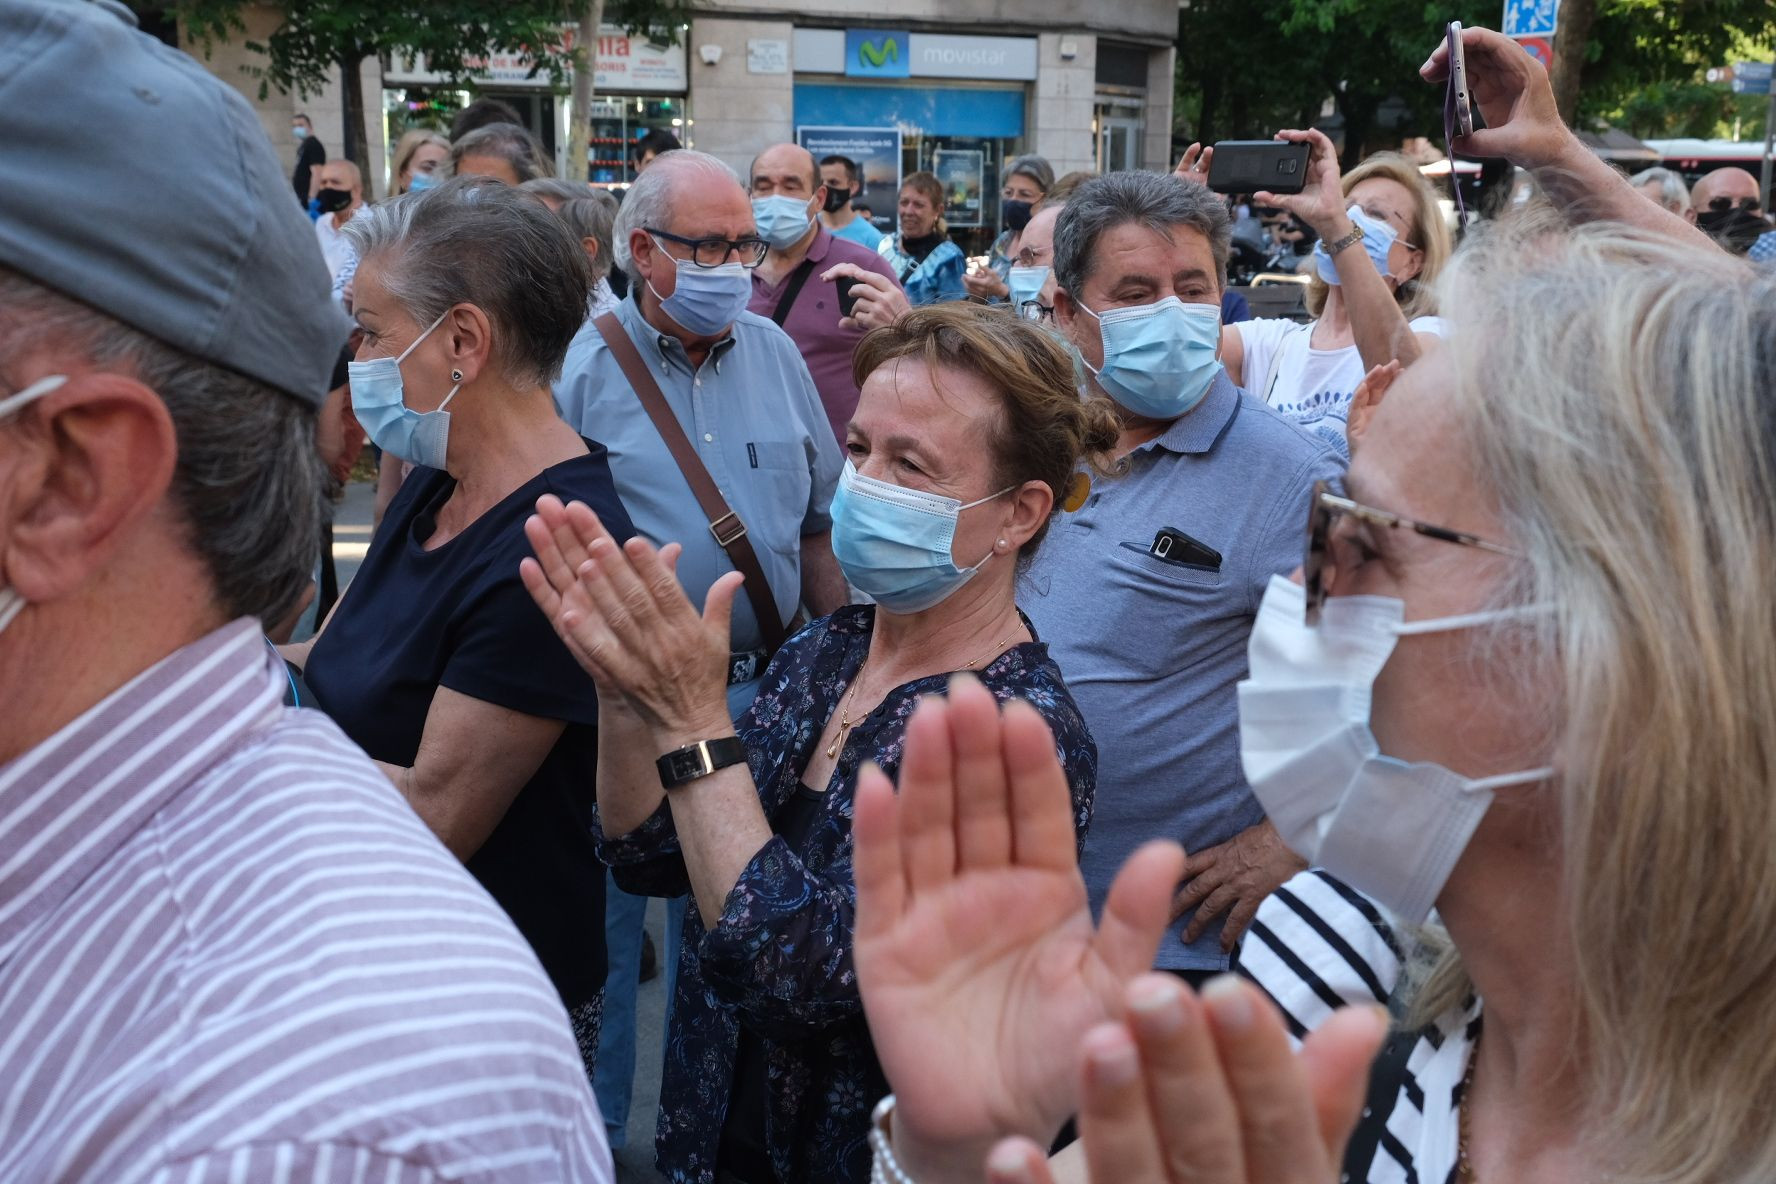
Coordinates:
[877,53]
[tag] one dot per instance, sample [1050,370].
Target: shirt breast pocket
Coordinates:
[780,471]
[1135,562]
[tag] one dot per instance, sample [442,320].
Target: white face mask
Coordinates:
[11,603]
[1390,829]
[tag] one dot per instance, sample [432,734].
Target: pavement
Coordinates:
[635,1159]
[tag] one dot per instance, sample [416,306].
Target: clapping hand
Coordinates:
[622,614]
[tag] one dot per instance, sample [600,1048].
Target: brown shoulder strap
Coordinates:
[724,523]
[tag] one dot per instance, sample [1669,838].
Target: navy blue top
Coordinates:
[777,966]
[458,616]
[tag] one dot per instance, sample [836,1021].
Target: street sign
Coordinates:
[1531,18]
[1751,78]
[1539,48]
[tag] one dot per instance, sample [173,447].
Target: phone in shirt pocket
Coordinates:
[1173,546]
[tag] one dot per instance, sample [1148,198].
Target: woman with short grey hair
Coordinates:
[1666,188]
[590,220]
[435,662]
[503,151]
[1027,180]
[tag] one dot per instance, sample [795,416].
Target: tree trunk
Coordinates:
[579,114]
[1571,36]
[357,121]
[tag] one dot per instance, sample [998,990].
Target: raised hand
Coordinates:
[1367,398]
[1193,166]
[626,620]
[1321,203]
[1512,91]
[979,964]
[1207,1091]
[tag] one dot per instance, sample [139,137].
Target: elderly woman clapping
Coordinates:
[435,662]
[966,439]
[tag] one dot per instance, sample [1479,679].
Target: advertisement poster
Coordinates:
[877,153]
[960,172]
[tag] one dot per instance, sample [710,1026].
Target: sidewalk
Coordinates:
[635,1161]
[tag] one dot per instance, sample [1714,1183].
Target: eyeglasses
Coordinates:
[1031,257]
[1035,310]
[1722,205]
[713,252]
[1319,568]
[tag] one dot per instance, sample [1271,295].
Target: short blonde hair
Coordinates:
[1430,234]
[931,189]
[1616,389]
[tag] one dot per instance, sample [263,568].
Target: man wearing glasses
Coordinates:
[740,392]
[1728,209]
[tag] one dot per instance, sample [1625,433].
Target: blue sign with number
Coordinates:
[878,53]
[1531,18]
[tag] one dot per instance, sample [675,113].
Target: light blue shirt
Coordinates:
[861,230]
[758,425]
[1152,650]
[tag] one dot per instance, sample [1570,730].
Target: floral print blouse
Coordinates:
[779,960]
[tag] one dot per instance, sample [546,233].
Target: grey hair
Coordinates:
[511,143]
[249,484]
[556,188]
[1158,201]
[649,200]
[592,217]
[1034,167]
[1674,195]
[475,241]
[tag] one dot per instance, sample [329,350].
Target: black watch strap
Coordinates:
[684,765]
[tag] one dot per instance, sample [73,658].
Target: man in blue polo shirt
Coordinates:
[739,389]
[1146,594]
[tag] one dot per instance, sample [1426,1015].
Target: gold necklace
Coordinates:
[832,750]
[1464,1170]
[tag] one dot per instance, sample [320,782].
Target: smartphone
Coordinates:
[1174,546]
[1459,100]
[1246,166]
[847,298]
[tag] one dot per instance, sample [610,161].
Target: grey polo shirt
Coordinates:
[1151,650]
[757,422]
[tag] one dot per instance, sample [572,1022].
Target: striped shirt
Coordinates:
[230,951]
[1318,945]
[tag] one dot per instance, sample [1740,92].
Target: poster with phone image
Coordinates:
[962,173]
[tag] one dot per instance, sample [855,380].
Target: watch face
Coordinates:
[687,763]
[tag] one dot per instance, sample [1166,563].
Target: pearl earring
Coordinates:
[1002,544]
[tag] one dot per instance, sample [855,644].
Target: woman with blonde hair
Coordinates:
[928,264]
[418,156]
[1382,243]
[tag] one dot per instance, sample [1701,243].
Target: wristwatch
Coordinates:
[1355,236]
[684,765]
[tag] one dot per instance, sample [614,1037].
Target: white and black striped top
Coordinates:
[1318,945]
[229,951]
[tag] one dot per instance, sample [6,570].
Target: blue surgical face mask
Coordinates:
[1378,240]
[421,182]
[1025,284]
[1159,359]
[782,221]
[893,543]
[379,402]
[706,300]
[11,603]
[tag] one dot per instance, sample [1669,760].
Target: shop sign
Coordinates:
[767,57]
[625,64]
[944,55]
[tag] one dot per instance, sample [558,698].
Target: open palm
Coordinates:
[979,963]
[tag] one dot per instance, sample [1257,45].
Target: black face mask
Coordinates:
[333,200]
[836,199]
[1735,229]
[1015,214]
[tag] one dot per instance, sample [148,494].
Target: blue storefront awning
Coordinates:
[933,110]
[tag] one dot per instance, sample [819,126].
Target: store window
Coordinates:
[1117,130]
[618,121]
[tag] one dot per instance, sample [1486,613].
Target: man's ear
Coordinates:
[79,471]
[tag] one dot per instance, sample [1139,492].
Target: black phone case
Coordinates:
[1247,166]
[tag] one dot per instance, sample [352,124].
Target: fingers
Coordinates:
[1137,910]
[1115,1123]
[1185,1086]
[881,883]
[660,581]
[983,805]
[928,798]
[1336,1057]
[848,270]
[1018,1161]
[1042,826]
[1203,878]
[538,585]
[1279,1129]
[718,606]
[1224,897]
[1239,919]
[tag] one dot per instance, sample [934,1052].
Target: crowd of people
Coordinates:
[1080,733]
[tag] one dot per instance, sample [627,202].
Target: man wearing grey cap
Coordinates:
[228,949]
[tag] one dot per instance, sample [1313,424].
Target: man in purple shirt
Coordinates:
[229,950]
[787,287]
